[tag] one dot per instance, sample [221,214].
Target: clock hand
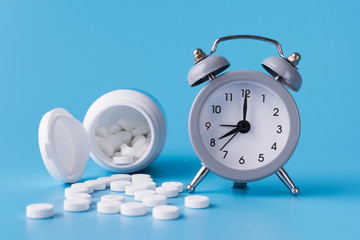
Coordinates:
[230,133]
[245,108]
[229,141]
[226,125]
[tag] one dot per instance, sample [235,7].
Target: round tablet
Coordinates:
[76,205]
[123,160]
[196,201]
[133,209]
[130,189]
[121,177]
[148,185]
[178,185]
[75,190]
[140,175]
[165,212]
[113,197]
[79,195]
[154,200]
[86,185]
[107,180]
[125,124]
[40,210]
[108,206]
[141,179]
[168,191]
[97,184]
[139,194]
[119,186]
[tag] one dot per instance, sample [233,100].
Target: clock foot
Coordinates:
[201,174]
[284,177]
[240,185]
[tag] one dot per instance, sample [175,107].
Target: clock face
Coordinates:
[244,125]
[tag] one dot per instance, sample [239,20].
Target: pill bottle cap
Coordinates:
[64,145]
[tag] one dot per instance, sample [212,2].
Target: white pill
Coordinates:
[141,179]
[98,139]
[85,185]
[129,151]
[107,180]
[76,205]
[144,148]
[119,185]
[125,137]
[140,175]
[130,189]
[97,184]
[139,142]
[113,197]
[139,131]
[168,191]
[115,128]
[178,185]
[123,160]
[113,141]
[154,200]
[108,206]
[79,195]
[165,212]
[196,201]
[102,131]
[148,185]
[125,124]
[106,148]
[75,190]
[133,209]
[40,210]
[136,139]
[139,194]
[121,176]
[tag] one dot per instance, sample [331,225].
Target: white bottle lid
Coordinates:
[64,145]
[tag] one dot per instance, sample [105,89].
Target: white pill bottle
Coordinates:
[65,144]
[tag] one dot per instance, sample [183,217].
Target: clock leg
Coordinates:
[284,177]
[201,174]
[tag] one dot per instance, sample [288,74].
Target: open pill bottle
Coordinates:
[66,144]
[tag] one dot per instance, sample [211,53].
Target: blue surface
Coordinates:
[68,53]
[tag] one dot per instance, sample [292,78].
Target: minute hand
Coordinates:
[245,108]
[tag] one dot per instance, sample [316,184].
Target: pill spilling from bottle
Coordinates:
[132,195]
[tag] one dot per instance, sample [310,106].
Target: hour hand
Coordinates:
[227,125]
[229,133]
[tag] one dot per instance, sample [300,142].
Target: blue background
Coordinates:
[69,53]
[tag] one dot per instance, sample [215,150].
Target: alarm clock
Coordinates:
[244,125]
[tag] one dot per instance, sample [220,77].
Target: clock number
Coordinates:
[261,157]
[212,142]
[245,92]
[242,160]
[279,129]
[225,153]
[263,96]
[207,125]
[276,112]
[274,146]
[216,109]
[228,97]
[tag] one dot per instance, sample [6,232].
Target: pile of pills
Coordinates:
[123,141]
[141,187]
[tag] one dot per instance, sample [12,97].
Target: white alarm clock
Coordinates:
[244,125]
